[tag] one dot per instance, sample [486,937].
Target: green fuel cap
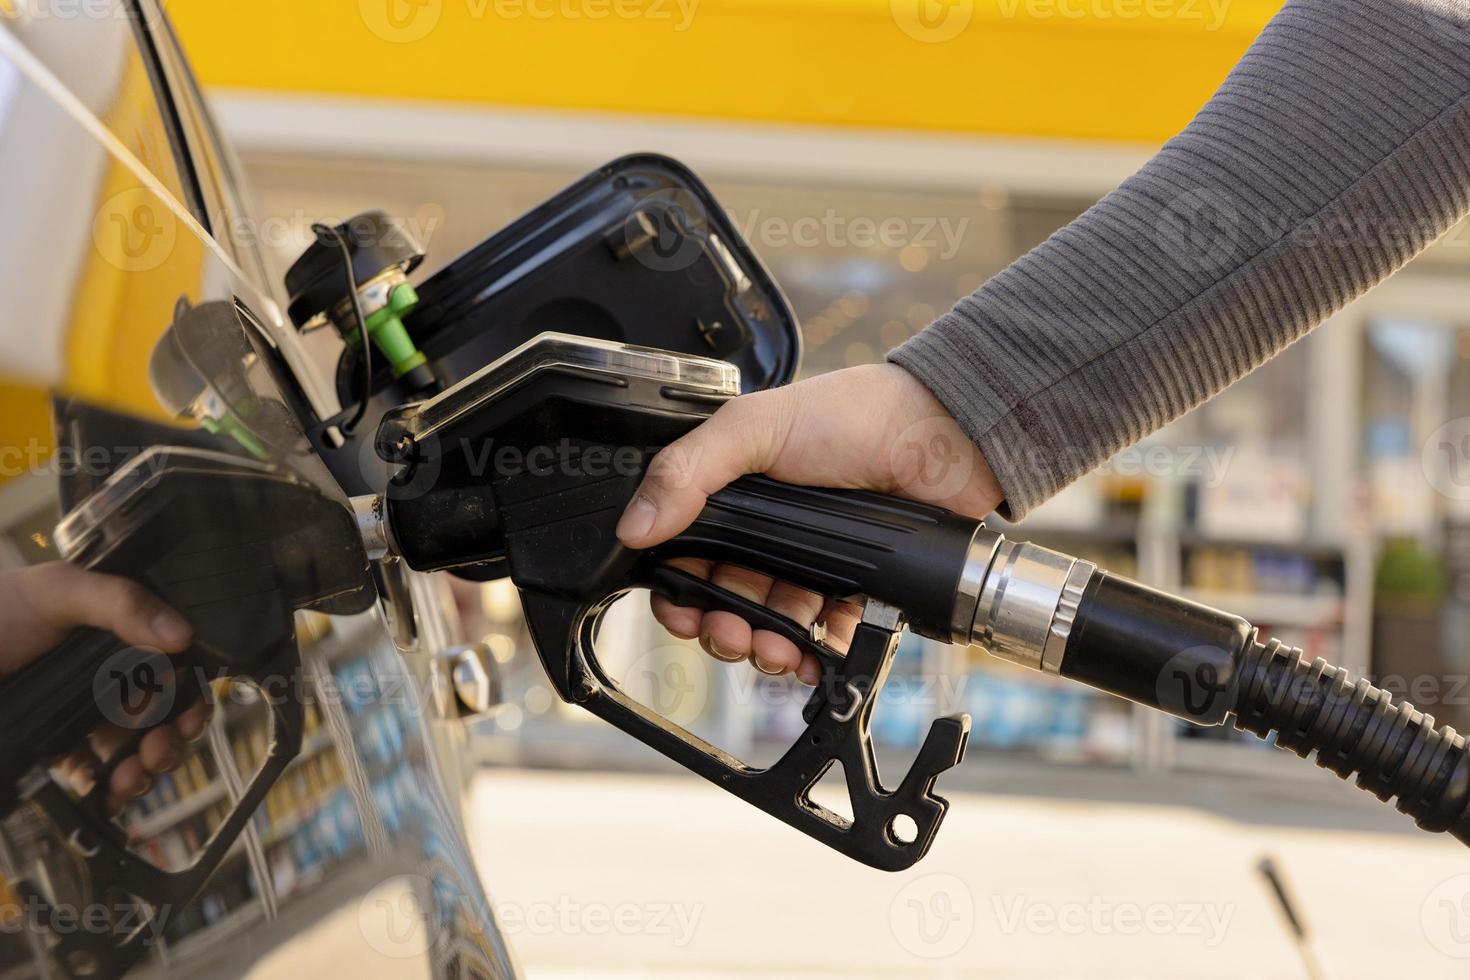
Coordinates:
[383,253]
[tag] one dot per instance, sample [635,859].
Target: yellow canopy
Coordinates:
[1123,70]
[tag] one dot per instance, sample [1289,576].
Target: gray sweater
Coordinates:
[1336,149]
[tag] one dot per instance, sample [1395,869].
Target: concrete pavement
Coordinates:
[600,875]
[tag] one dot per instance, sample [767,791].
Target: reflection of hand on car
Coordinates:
[42,604]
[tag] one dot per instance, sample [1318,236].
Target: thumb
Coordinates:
[742,437]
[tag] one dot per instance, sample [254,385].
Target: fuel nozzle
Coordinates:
[573,424]
[383,254]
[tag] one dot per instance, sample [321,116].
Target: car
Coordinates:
[126,262]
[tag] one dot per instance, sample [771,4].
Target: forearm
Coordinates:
[1337,149]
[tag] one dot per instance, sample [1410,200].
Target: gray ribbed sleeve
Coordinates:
[1336,149]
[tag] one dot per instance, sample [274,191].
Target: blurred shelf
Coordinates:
[1324,551]
[175,813]
[318,741]
[1263,608]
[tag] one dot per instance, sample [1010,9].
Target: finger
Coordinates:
[162,750]
[682,621]
[105,740]
[774,654]
[65,596]
[192,723]
[810,670]
[744,436]
[79,769]
[841,618]
[130,780]
[725,635]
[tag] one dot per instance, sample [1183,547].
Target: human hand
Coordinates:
[41,605]
[874,427]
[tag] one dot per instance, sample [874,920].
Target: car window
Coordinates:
[97,51]
[218,173]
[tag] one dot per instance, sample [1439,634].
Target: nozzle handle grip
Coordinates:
[839,543]
[89,679]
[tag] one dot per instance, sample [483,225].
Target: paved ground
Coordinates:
[649,875]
